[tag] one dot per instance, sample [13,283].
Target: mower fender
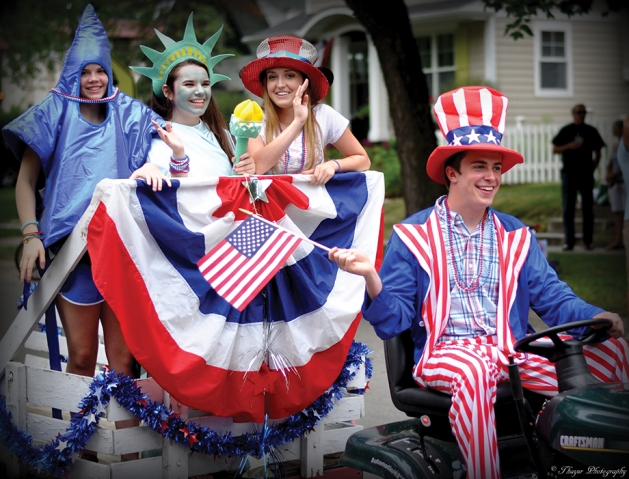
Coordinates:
[393,451]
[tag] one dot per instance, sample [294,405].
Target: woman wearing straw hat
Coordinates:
[297,127]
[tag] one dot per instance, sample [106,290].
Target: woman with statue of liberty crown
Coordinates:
[196,141]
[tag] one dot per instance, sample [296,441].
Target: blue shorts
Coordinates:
[79,288]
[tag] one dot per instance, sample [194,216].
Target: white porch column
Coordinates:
[379,124]
[490,49]
[340,68]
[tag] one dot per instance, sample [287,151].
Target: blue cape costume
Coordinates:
[76,154]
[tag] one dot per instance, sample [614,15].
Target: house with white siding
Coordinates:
[581,59]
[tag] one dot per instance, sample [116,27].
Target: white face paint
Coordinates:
[191,94]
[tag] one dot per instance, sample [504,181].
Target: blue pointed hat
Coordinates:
[176,52]
[90,45]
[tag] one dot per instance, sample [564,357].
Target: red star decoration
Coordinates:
[142,402]
[263,382]
[163,426]
[185,431]
[192,439]
[280,193]
[367,385]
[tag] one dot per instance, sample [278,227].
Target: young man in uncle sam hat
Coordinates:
[462,277]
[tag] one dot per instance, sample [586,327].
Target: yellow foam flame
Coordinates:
[248,110]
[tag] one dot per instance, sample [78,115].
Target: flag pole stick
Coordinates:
[251,213]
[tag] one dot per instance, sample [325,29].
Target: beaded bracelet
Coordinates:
[174,170]
[36,223]
[179,165]
[26,239]
[338,165]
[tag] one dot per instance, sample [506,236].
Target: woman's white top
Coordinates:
[332,125]
[206,155]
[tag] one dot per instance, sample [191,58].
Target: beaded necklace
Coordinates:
[303,153]
[86,100]
[474,284]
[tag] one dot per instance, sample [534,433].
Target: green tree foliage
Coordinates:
[523,10]
[35,34]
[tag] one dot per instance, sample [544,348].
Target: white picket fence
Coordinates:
[535,143]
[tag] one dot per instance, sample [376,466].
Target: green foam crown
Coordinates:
[176,52]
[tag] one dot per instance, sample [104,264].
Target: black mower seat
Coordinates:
[416,401]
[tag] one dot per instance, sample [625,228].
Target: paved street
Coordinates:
[10,291]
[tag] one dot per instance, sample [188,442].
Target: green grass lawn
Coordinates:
[532,204]
[599,279]
[8,215]
[8,211]
[10,232]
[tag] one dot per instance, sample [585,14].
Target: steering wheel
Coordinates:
[529,343]
[570,364]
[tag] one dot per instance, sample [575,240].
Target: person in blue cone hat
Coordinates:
[83,131]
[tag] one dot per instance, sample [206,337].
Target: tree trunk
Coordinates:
[390,30]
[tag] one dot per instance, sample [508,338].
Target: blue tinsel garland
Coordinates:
[55,458]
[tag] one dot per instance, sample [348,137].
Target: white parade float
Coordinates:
[31,390]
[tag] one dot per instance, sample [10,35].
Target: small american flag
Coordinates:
[246,259]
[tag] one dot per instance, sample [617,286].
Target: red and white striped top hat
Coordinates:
[285,52]
[470,118]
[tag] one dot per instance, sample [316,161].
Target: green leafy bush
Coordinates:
[383,158]
[9,165]
[227,101]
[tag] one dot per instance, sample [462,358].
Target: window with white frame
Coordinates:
[553,59]
[438,62]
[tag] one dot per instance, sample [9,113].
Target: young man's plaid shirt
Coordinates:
[472,313]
